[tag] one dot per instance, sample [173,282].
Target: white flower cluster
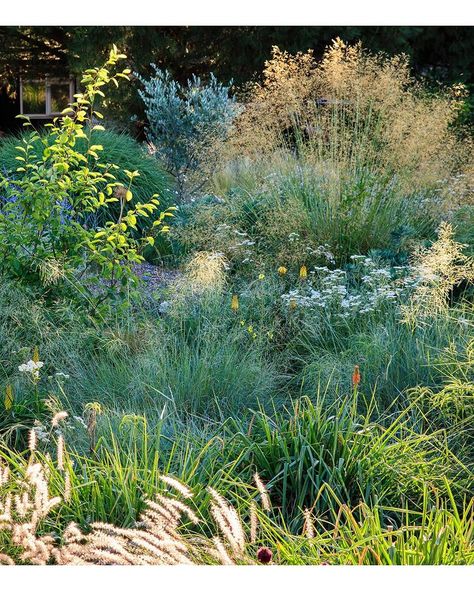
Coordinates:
[31,367]
[322,251]
[362,289]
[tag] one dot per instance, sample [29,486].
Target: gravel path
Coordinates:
[155,277]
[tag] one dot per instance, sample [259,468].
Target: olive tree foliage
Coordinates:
[186,123]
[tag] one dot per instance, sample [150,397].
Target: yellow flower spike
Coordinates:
[36,357]
[8,397]
[292,304]
[282,271]
[234,305]
[303,272]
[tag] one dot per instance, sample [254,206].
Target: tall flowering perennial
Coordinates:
[9,398]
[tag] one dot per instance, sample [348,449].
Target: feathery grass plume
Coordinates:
[67,486]
[253,522]
[352,108]
[4,474]
[436,272]
[51,271]
[6,560]
[222,553]
[204,273]
[32,440]
[58,417]
[177,485]
[229,522]
[264,496]
[60,453]
[308,526]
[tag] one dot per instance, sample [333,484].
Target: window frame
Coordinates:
[47,81]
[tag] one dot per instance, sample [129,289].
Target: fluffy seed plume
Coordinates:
[177,485]
[264,496]
[32,440]
[60,452]
[308,526]
[58,417]
[253,522]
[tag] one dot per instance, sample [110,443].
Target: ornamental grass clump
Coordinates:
[353,109]
[26,504]
[436,272]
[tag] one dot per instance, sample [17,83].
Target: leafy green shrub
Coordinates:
[120,149]
[184,123]
[48,216]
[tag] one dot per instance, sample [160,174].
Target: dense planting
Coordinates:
[293,382]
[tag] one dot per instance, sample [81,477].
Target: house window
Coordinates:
[43,99]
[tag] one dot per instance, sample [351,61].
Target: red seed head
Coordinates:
[264,555]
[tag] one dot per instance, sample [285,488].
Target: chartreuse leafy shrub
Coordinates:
[185,123]
[121,150]
[49,214]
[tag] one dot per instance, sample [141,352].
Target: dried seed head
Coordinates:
[264,555]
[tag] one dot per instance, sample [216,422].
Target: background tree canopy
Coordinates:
[443,54]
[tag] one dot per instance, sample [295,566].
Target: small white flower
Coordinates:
[31,367]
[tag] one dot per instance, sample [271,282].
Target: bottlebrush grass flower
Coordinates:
[303,272]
